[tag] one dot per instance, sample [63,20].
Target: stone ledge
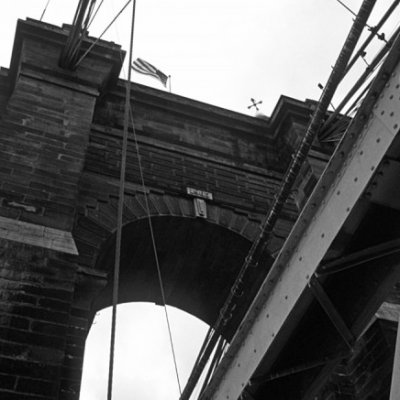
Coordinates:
[37,235]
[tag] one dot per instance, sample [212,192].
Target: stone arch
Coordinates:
[99,220]
[199,290]
[199,262]
[221,241]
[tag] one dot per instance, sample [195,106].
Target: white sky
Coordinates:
[143,362]
[221,52]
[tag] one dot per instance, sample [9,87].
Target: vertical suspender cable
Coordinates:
[153,241]
[160,280]
[260,244]
[120,211]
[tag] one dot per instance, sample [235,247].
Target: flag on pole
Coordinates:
[143,67]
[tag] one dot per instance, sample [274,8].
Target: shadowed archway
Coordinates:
[199,262]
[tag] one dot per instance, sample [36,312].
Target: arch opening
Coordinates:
[199,262]
[143,361]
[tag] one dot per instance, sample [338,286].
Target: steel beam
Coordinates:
[395,387]
[345,178]
[331,311]
[297,369]
[360,258]
[389,312]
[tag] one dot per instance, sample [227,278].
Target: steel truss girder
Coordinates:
[395,385]
[343,181]
[359,258]
[331,311]
[299,368]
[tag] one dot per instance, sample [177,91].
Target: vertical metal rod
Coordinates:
[120,213]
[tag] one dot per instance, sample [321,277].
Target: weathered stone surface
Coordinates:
[60,150]
[33,327]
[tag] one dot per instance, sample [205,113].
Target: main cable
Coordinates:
[259,245]
[102,34]
[368,71]
[120,214]
[374,31]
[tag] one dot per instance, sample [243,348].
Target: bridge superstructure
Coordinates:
[210,177]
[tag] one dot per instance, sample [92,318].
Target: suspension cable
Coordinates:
[120,214]
[44,10]
[77,34]
[329,125]
[154,247]
[95,13]
[102,34]
[377,59]
[153,241]
[351,11]
[259,245]
[374,31]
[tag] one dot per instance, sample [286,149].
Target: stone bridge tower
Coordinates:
[210,176]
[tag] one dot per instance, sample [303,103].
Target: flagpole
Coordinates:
[169,82]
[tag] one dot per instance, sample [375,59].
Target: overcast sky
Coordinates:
[221,52]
